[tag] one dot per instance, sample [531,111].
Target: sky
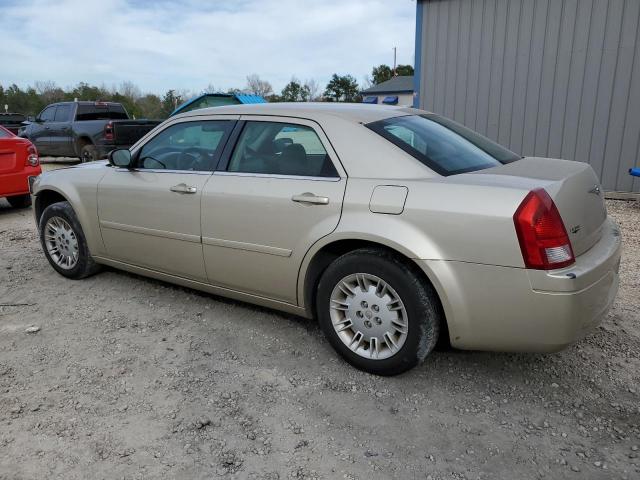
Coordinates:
[189,45]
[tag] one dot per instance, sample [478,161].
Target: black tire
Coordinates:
[421,302]
[85,266]
[88,153]
[20,201]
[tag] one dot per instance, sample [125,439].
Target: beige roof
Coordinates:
[355,112]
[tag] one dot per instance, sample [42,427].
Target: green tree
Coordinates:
[170,101]
[294,91]
[342,88]
[382,73]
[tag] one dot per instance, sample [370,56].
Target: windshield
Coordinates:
[441,144]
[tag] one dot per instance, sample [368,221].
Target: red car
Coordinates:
[18,163]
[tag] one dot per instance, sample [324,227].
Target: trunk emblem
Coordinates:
[595,190]
[576,229]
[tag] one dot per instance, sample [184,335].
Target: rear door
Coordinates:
[280,191]
[60,131]
[150,215]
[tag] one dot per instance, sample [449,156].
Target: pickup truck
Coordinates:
[87,130]
[12,121]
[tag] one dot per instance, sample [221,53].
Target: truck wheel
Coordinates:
[88,153]
[19,201]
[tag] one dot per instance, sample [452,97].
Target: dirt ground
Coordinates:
[136,379]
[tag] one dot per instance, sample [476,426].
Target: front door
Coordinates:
[281,191]
[150,215]
[40,131]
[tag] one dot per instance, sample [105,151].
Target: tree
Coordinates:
[170,102]
[295,92]
[342,88]
[382,73]
[314,89]
[257,86]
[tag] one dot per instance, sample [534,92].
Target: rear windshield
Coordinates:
[4,133]
[101,111]
[441,144]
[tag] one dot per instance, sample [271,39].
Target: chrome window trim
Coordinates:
[226,173]
[162,170]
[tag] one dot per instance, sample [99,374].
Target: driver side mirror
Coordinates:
[32,119]
[120,157]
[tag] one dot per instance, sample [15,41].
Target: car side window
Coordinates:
[63,113]
[191,146]
[48,114]
[281,149]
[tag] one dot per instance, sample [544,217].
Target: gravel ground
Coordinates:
[133,378]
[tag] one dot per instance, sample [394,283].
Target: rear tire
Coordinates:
[20,201]
[64,243]
[88,153]
[384,305]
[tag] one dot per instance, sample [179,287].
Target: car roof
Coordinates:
[355,112]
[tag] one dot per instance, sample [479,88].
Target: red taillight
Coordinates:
[543,239]
[32,157]
[108,131]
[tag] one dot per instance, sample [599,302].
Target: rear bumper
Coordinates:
[514,309]
[17,183]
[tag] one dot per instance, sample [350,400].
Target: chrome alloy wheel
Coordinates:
[368,316]
[61,242]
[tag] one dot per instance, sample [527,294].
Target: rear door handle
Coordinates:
[310,198]
[183,188]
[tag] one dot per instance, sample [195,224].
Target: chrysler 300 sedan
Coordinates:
[391,226]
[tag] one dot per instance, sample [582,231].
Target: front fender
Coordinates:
[79,186]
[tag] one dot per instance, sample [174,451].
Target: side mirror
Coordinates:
[31,118]
[121,157]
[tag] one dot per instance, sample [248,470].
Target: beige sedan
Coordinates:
[391,226]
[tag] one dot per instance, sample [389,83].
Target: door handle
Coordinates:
[183,188]
[310,198]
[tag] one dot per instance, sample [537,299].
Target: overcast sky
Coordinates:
[190,44]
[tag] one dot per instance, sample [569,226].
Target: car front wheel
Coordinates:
[378,312]
[64,243]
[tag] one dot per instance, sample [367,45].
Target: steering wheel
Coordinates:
[196,155]
[143,160]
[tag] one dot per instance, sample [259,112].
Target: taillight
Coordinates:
[108,131]
[32,156]
[543,239]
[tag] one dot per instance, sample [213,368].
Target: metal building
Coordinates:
[550,78]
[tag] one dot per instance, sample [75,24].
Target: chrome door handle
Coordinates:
[183,188]
[311,199]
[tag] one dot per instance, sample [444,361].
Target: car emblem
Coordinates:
[576,229]
[595,190]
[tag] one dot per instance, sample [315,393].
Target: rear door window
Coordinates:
[275,148]
[63,113]
[443,145]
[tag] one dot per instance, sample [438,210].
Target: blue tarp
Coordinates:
[390,100]
[635,171]
[370,100]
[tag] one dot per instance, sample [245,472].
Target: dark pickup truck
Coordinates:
[88,130]
[12,121]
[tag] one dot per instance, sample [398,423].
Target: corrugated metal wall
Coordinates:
[552,78]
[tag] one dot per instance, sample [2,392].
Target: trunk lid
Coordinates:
[12,154]
[574,188]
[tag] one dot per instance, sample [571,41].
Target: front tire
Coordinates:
[378,313]
[20,201]
[64,243]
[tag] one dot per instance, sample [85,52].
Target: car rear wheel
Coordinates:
[378,312]
[64,243]
[19,201]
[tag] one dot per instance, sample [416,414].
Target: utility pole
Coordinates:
[394,60]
